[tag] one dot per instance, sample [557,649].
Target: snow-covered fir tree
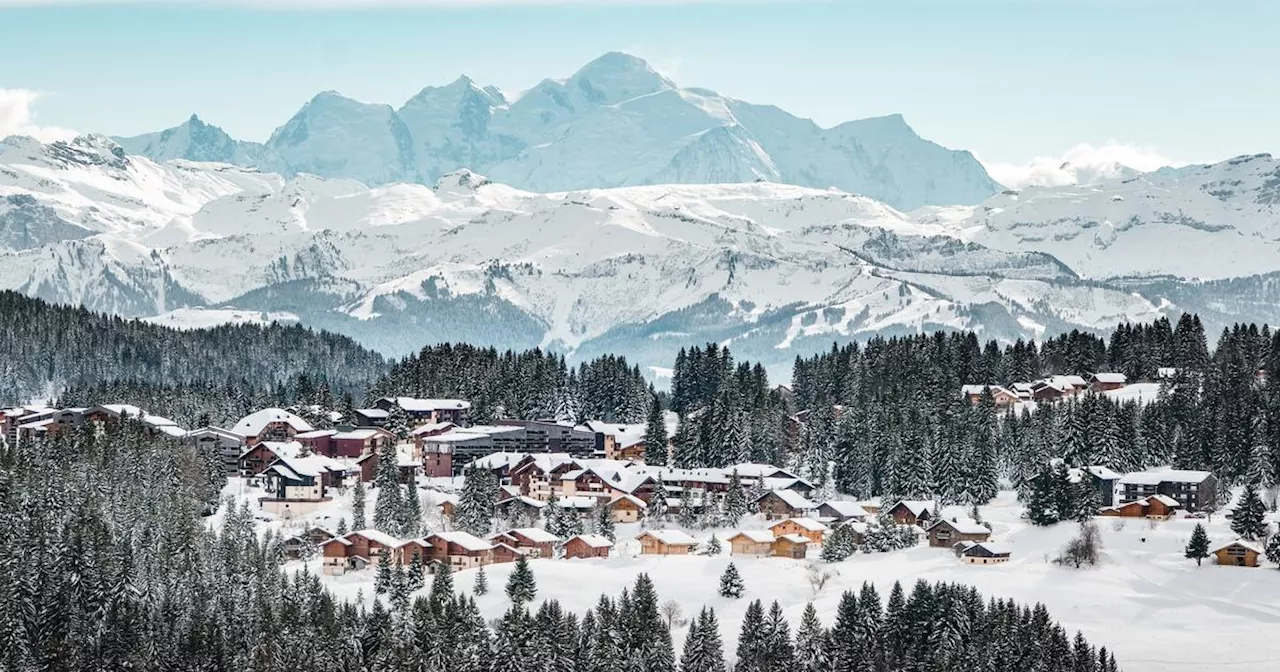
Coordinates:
[731,584]
[521,585]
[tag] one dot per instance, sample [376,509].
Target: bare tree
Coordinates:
[1083,549]
[818,578]
[672,613]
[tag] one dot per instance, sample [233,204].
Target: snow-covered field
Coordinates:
[1153,608]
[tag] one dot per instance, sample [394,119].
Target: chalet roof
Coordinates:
[594,540]
[670,537]
[639,503]
[1256,548]
[373,413]
[783,483]
[915,506]
[791,498]
[254,423]
[464,539]
[308,465]
[992,547]
[338,540]
[473,433]
[969,390]
[359,434]
[674,475]
[1165,499]
[378,536]
[795,538]
[1164,476]
[619,479]
[845,509]
[431,427]
[758,536]
[214,431]
[580,502]
[135,413]
[625,435]
[37,425]
[1110,378]
[496,460]
[527,501]
[963,526]
[1102,472]
[804,523]
[315,434]
[758,470]
[535,534]
[414,405]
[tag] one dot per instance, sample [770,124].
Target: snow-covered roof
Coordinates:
[624,435]
[670,537]
[915,506]
[528,501]
[361,434]
[795,538]
[805,523]
[758,536]
[431,427]
[535,534]
[254,423]
[1111,378]
[172,430]
[758,470]
[214,431]
[1164,476]
[1165,499]
[1102,472]
[338,540]
[578,502]
[791,498]
[1073,381]
[373,413]
[783,483]
[464,539]
[975,390]
[992,547]
[414,405]
[463,434]
[378,536]
[499,460]
[315,434]
[594,540]
[309,465]
[846,509]
[1256,548]
[963,526]
[623,480]
[37,425]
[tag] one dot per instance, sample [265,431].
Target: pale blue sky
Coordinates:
[1010,80]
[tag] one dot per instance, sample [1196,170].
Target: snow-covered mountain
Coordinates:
[776,270]
[616,122]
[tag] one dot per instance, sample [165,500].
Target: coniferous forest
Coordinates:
[109,565]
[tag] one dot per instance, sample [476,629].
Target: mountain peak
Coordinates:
[615,77]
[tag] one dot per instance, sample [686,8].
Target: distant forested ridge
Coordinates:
[46,350]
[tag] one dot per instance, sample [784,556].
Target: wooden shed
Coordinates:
[1239,553]
[757,543]
[666,542]
[587,546]
[805,527]
[791,546]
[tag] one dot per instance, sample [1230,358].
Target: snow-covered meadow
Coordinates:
[1145,602]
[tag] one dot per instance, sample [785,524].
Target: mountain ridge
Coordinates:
[615,122]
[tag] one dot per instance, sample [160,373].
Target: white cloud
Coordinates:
[18,118]
[1082,164]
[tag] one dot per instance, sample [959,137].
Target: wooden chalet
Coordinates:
[1239,553]
[539,476]
[587,546]
[626,508]
[1001,396]
[778,504]
[356,550]
[504,552]
[409,465]
[666,542]
[538,542]
[293,546]
[458,550]
[947,533]
[1103,382]
[270,424]
[912,512]
[791,546]
[840,512]
[1157,507]
[984,553]
[805,527]
[757,543]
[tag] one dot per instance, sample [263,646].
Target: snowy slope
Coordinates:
[615,122]
[773,269]
[1160,223]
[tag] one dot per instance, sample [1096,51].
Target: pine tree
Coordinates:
[687,516]
[658,503]
[703,650]
[474,512]
[778,653]
[604,521]
[481,586]
[1273,549]
[388,510]
[811,643]
[712,547]
[1086,501]
[342,527]
[1249,519]
[521,586]
[416,574]
[441,587]
[839,545]
[735,501]
[1198,547]
[357,506]
[655,435]
[382,583]
[731,585]
[411,522]
[751,639]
